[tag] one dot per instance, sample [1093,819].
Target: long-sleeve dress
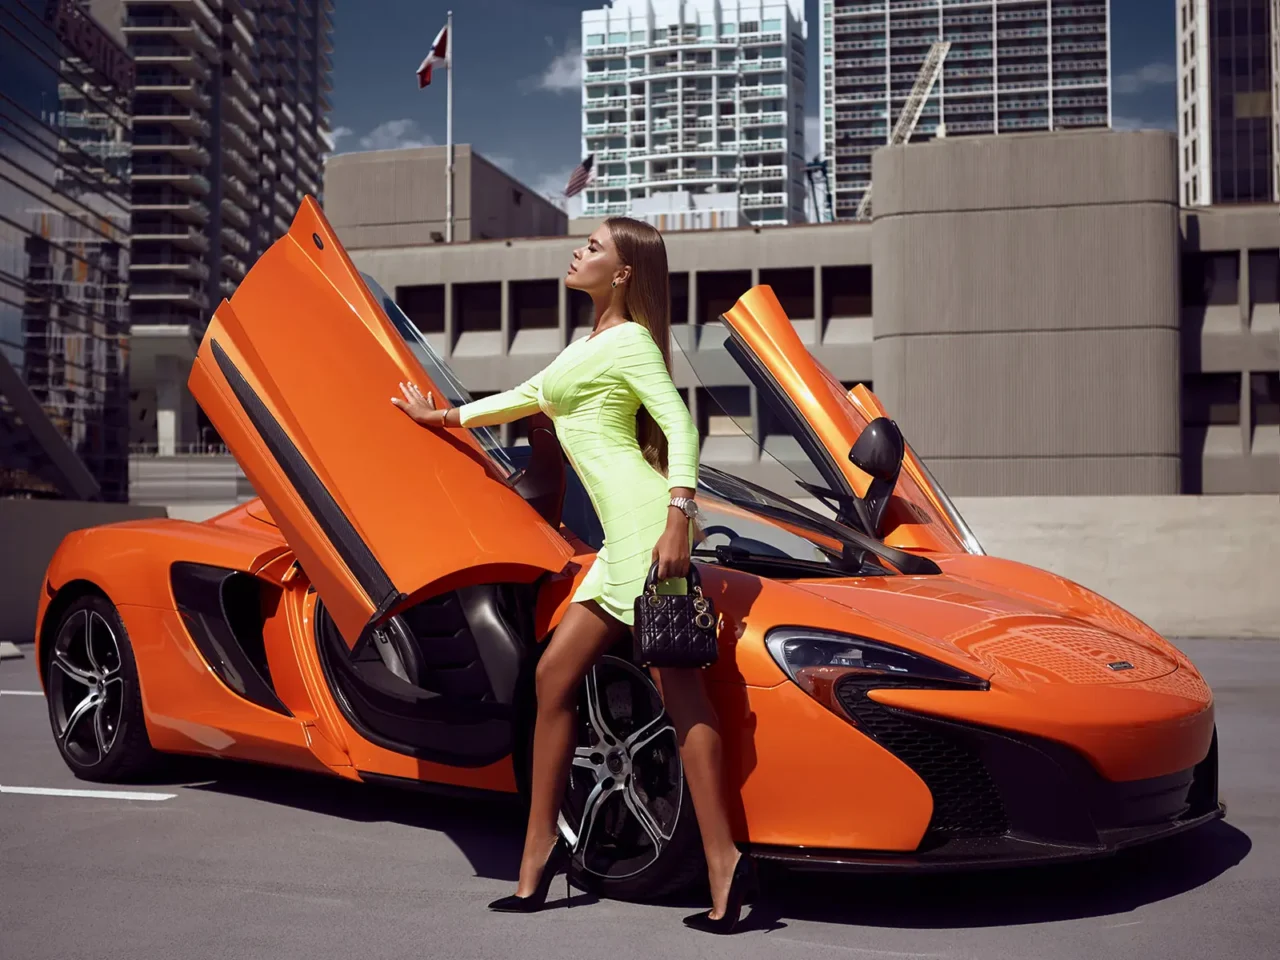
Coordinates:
[592,391]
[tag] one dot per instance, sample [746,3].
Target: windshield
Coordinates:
[438,371]
[764,431]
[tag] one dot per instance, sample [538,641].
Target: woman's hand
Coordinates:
[672,549]
[419,409]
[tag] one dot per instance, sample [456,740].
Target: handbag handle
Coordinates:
[692,579]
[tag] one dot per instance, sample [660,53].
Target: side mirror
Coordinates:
[878,452]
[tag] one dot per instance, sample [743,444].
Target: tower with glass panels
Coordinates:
[1013,67]
[699,96]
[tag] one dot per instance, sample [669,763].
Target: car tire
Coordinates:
[639,753]
[95,704]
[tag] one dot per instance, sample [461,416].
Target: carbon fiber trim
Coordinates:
[339,531]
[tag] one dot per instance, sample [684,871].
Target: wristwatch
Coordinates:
[686,506]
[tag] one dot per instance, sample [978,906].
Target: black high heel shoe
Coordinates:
[557,860]
[745,882]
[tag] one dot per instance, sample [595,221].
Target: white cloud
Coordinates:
[336,135]
[564,73]
[551,185]
[504,163]
[812,136]
[1143,78]
[394,134]
[1124,122]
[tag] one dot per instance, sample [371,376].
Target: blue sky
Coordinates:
[516,93]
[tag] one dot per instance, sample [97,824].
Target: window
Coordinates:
[1184,17]
[595,39]
[707,30]
[772,25]
[728,29]
[1210,279]
[1265,388]
[1210,399]
[620,37]
[750,26]
[1264,276]
[1194,151]
[638,36]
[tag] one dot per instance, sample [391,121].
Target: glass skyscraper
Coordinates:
[65,143]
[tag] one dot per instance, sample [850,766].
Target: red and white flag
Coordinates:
[582,174]
[439,56]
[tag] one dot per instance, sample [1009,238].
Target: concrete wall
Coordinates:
[386,198]
[1026,310]
[30,531]
[1188,566]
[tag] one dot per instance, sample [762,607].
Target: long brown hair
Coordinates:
[647,302]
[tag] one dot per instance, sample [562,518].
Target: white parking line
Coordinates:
[92,794]
[21,693]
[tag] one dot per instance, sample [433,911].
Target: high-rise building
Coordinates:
[230,113]
[701,96]
[65,84]
[1227,90]
[1013,67]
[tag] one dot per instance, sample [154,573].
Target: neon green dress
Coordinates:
[592,391]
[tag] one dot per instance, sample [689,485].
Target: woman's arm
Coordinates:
[500,408]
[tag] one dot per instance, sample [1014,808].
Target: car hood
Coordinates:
[1044,630]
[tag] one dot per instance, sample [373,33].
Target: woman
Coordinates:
[593,391]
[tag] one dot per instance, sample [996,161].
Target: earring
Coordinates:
[614,284]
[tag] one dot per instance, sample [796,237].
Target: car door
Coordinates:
[296,372]
[825,420]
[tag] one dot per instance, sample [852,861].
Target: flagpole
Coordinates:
[448,163]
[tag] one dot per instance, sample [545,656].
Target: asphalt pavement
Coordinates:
[243,862]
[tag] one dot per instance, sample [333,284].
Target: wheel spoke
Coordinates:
[594,801]
[582,758]
[594,716]
[638,810]
[83,707]
[88,643]
[79,675]
[647,732]
[100,735]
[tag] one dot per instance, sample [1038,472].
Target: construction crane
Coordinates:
[817,167]
[930,70]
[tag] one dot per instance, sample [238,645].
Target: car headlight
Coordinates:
[819,662]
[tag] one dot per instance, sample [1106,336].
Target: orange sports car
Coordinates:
[891,697]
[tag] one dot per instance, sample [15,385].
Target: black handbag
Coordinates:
[674,630]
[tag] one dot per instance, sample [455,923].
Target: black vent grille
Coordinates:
[965,800]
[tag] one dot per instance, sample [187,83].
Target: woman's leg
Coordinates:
[698,729]
[582,636]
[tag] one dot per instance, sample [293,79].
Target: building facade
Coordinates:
[1228,126]
[230,128]
[702,96]
[1013,67]
[1067,329]
[387,198]
[65,88]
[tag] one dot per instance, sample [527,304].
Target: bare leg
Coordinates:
[581,637]
[698,729]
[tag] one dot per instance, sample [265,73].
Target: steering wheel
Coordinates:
[719,528]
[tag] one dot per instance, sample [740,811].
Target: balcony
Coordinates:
[188,10]
[762,119]
[182,148]
[238,134]
[175,58]
[182,178]
[762,173]
[237,162]
[140,26]
[234,267]
[761,93]
[235,213]
[232,237]
[180,235]
[754,201]
[763,146]
[189,122]
[171,293]
[152,265]
[238,189]
[185,208]
[187,92]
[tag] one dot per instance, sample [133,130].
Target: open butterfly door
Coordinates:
[296,373]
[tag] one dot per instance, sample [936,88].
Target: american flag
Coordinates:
[581,176]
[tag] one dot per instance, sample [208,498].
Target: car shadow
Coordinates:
[1072,891]
[489,828]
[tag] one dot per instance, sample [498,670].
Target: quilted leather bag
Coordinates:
[674,630]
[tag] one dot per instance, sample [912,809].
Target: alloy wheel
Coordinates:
[626,781]
[86,687]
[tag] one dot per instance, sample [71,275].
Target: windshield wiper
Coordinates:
[738,557]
